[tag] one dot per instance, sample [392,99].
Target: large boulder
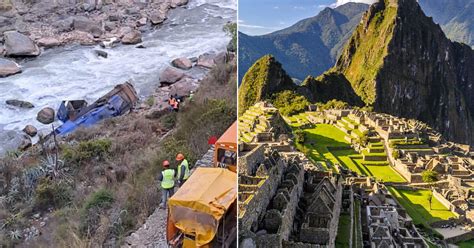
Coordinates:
[49,42]
[184,86]
[132,37]
[170,76]
[157,16]
[46,115]
[182,63]
[30,130]
[17,44]
[19,103]
[82,23]
[8,67]
[25,143]
[206,60]
[175,3]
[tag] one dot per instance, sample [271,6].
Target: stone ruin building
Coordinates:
[284,201]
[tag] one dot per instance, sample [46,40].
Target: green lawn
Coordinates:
[357,242]
[343,231]
[418,207]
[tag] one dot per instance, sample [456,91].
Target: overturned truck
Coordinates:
[74,114]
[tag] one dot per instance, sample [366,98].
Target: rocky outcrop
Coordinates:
[17,44]
[206,60]
[401,63]
[132,37]
[46,115]
[19,103]
[182,63]
[170,76]
[8,67]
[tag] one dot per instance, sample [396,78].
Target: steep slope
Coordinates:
[456,18]
[265,77]
[400,62]
[309,47]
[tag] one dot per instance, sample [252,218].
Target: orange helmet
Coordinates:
[166,163]
[179,157]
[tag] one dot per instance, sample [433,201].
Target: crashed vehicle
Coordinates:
[78,113]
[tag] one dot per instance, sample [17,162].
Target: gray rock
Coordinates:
[49,42]
[17,44]
[46,115]
[64,25]
[170,76]
[175,3]
[82,23]
[30,130]
[182,63]
[115,17]
[89,5]
[25,143]
[19,103]
[157,16]
[8,67]
[132,37]
[101,53]
[206,60]
[109,26]
[142,21]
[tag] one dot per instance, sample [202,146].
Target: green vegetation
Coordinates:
[51,193]
[256,83]
[87,150]
[417,205]
[357,234]
[395,154]
[289,102]
[466,244]
[150,101]
[343,231]
[364,54]
[332,104]
[103,198]
[299,136]
[231,29]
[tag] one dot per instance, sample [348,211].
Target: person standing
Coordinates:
[183,169]
[167,177]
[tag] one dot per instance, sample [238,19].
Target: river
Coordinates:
[76,72]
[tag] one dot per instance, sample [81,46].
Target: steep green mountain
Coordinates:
[309,47]
[265,77]
[456,18]
[400,62]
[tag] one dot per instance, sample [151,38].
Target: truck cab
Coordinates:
[225,151]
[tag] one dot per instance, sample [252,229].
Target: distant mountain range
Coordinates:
[309,47]
[456,18]
[398,61]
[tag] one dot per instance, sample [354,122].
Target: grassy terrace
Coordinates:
[344,231]
[466,244]
[418,207]
[326,142]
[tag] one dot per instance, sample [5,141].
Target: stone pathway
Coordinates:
[152,234]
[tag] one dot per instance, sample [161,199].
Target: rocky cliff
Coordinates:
[399,61]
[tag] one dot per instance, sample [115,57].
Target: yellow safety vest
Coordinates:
[168,179]
[186,170]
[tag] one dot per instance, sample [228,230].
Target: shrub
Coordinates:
[168,121]
[395,154]
[87,150]
[102,198]
[50,193]
[299,136]
[289,102]
[332,104]
[150,101]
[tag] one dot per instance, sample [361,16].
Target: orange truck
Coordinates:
[203,212]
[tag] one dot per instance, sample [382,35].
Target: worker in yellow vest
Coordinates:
[183,169]
[166,177]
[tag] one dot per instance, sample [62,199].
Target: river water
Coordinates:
[76,72]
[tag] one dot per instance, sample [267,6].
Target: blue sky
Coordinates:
[265,16]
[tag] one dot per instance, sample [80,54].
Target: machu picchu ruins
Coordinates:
[350,178]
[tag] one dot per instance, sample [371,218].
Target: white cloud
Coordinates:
[253,26]
[341,2]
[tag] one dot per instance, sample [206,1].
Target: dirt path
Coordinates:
[152,234]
